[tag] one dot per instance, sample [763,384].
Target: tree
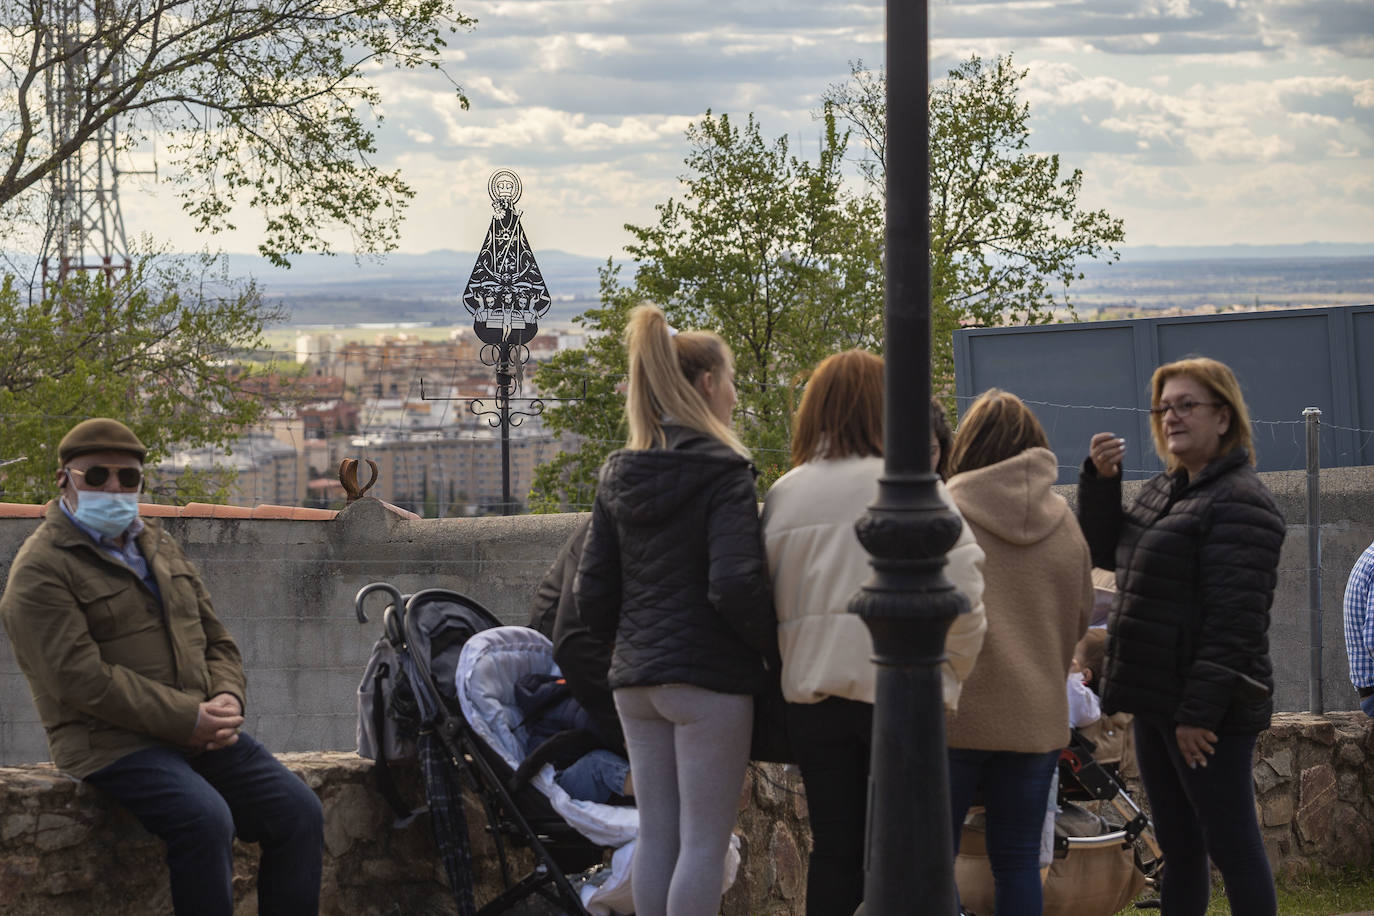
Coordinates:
[1006,229]
[155,349]
[270,102]
[591,378]
[784,259]
[766,249]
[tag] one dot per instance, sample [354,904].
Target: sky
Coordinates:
[1198,122]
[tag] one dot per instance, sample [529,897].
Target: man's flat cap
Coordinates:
[99,435]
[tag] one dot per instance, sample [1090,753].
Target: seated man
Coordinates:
[141,688]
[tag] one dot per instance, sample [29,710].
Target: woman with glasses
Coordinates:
[1195,555]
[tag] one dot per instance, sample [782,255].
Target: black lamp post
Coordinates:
[908,604]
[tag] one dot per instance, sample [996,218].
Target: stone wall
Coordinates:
[1314,782]
[65,850]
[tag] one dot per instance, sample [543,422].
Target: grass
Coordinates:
[1319,894]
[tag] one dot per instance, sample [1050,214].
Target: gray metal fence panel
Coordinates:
[1093,376]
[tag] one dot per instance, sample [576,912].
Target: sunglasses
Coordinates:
[129,478]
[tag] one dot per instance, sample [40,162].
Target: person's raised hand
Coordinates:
[1106,451]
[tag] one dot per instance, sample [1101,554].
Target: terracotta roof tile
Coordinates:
[200,510]
[157,510]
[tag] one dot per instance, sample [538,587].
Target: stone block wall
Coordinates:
[1314,785]
[65,850]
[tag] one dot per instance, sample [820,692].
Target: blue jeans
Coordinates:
[1013,788]
[197,804]
[595,776]
[1203,813]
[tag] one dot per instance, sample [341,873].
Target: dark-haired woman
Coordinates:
[1037,591]
[1196,559]
[817,565]
[673,569]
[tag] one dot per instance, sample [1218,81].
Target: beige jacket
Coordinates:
[818,564]
[112,669]
[1037,588]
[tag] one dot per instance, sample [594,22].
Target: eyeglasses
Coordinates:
[1182,408]
[129,478]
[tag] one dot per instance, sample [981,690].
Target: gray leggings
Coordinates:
[689,748]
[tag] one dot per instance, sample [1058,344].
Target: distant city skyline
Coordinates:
[1199,122]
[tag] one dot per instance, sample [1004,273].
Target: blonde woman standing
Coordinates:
[673,569]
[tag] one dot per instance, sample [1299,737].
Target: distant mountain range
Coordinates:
[320,289]
[1135,253]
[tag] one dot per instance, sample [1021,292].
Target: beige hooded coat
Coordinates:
[1038,592]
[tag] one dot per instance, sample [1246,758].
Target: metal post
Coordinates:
[1313,416]
[908,604]
[504,381]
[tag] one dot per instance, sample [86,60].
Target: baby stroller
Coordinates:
[430,632]
[1103,858]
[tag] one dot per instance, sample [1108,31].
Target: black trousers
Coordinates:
[1201,814]
[831,740]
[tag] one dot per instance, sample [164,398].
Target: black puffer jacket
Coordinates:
[674,566]
[1196,563]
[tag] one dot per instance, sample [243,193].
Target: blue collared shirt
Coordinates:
[1359,620]
[129,554]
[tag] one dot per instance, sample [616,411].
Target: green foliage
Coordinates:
[153,349]
[768,250]
[269,103]
[1006,229]
[592,378]
[784,259]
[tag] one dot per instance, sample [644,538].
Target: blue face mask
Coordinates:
[108,513]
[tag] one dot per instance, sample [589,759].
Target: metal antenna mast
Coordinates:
[85,227]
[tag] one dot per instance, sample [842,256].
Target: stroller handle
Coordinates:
[366,590]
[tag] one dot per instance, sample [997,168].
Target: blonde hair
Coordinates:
[664,369]
[841,412]
[996,427]
[1217,378]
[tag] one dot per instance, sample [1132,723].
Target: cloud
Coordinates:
[1295,119]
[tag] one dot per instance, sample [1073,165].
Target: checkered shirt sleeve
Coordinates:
[1359,620]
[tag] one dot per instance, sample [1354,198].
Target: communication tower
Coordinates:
[85,227]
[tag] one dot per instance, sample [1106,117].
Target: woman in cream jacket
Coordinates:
[817,565]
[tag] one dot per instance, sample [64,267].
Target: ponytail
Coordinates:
[663,373]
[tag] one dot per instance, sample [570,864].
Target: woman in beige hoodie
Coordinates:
[817,564]
[1037,590]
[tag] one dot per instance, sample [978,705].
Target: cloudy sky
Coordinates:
[1200,122]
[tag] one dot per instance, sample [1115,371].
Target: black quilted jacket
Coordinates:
[674,566]
[1196,563]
